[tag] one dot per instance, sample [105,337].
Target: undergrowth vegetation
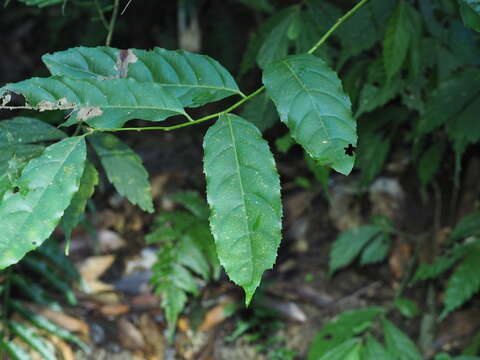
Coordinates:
[351,83]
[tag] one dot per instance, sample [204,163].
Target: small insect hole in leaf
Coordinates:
[350,149]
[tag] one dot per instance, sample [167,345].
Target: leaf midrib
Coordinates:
[327,134]
[242,193]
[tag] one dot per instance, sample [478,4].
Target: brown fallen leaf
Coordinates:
[91,269]
[63,348]
[399,258]
[68,322]
[156,342]
[129,336]
[111,310]
[216,316]
[183,324]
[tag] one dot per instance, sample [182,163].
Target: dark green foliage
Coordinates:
[186,254]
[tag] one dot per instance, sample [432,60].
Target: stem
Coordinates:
[336,25]
[190,123]
[103,19]
[113,20]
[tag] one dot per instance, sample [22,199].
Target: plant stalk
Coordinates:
[113,20]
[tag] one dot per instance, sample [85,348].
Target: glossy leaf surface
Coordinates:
[243,191]
[192,78]
[311,102]
[102,104]
[46,187]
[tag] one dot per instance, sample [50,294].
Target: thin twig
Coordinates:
[190,123]
[244,99]
[113,20]
[339,22]
[103,19]
[126,6]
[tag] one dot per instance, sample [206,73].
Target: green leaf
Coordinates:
[284,143]
[376,251]
[430,162]
[259,5]
[257,39]
[193,79]
[42,3]
[346,326]
[18,138]
[276,43]
[54,279]
[441,263]
[101,103]
[51,179]
[45,324]
[449,101]
[261,112]
[243,191]
[311,102]
[51,250]
[14,350]
[124,169]
[25,130]
[33,291]
[378,89]
[349,244]
[399,343]
[75,210]
[32,339]
[373,150]
[407,307]
[470,11]
[187,245]
[466,227]
[192,201]
[365,27]
[375,350]
[349,350]
[397,38]
[463,283]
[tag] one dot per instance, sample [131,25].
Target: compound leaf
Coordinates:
[345,327]
[101,103]
[311,102]
[192,78]
[73,213]
[375,350]
[468,226]
[16,351]
[124,169]
[276,43]
[397,38]
[399,343]
[46,187]
[349,244]
[449,100]
[243,191]
[376,250]
[463,283]
[30,337]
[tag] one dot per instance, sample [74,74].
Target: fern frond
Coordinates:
[463,283]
